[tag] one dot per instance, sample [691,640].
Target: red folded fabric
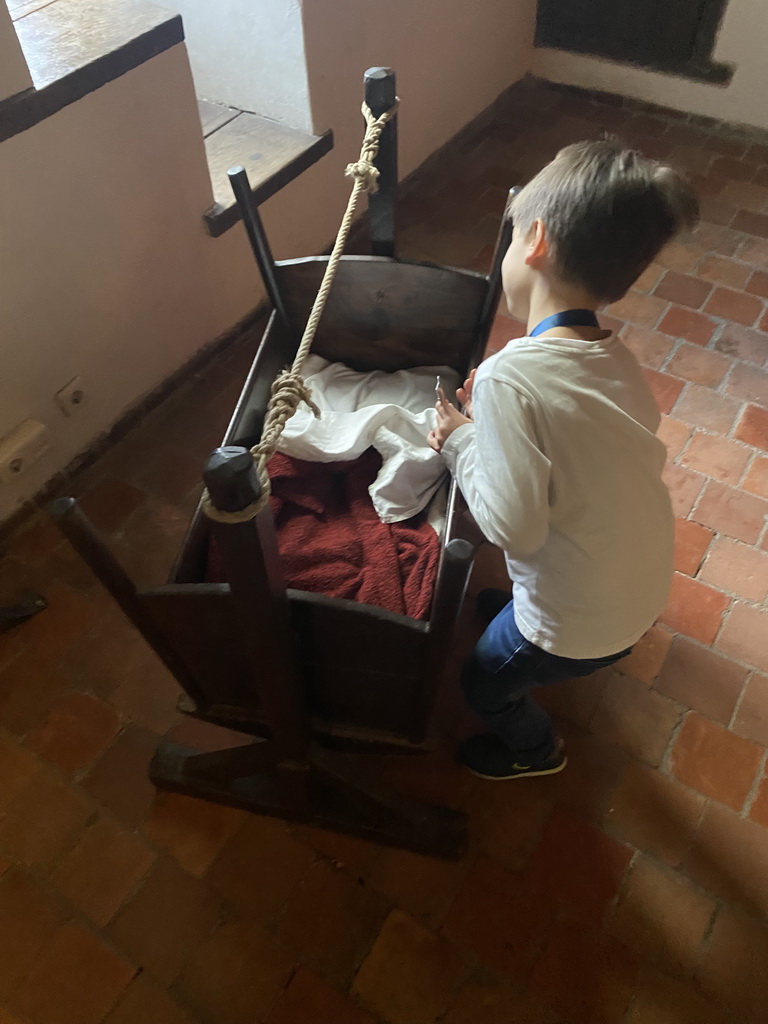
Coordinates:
[332,542]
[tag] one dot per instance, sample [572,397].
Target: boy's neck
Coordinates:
[546,300]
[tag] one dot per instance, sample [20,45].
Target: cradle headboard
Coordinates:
[387,314]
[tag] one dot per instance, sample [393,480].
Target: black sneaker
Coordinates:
[490,758]
[490,602]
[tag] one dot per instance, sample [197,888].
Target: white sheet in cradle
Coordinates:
[394,412]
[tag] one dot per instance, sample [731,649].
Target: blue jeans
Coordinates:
[500,673]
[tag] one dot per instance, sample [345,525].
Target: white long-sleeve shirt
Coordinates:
[561,469]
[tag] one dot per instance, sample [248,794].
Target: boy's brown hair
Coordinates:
[607,211]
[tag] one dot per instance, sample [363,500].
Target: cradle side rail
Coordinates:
[369,674]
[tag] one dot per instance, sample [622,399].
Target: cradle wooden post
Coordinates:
[257,236]
[80,533]
[490,305]
[380,94]
[252,567]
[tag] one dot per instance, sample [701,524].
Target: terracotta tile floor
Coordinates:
[632,888]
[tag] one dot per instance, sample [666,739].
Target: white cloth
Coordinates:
[561,469]
[393,412]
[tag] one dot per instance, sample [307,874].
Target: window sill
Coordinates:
[67,62]
[272,154]
[73,47]
[707,71]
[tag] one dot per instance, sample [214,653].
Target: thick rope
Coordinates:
[289,389]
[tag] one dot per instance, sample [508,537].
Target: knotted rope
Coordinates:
[289,388]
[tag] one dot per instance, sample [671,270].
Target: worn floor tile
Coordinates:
[729,858]
[733,964]
[743,635]
[146,1002]
[701,679]
[309,998]
[410,974]
[77,978]
[694,609]
[661,999]
[330,921]
[192,831]
[259,868]
[714,761]
[78,729]
[120,781]
[662,916]
[30,915]
[500,919]
[596,866]
[647,655]
[45,818]
[169,915]
[655,813]
[585,975]
[147,695]
[751,719]
[423,887]
[236,975]
[103,870]
[486,998]
[635,718]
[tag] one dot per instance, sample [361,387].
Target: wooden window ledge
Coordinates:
[272,154]
[73,47]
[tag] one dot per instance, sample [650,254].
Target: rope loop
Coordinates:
[289,390]
[364,170]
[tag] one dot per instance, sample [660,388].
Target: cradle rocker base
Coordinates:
[329,791]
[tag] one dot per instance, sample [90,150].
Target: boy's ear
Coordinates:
[537,248]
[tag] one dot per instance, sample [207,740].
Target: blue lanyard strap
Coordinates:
[568,318]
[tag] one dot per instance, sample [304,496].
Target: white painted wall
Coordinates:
[452,59]
[249,54]
[14,73]
[105,269]
[742,41]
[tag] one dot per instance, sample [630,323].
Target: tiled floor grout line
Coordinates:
[665,763]
[724,621]
[739,699]
[759,775]
[761,540]
[707,938]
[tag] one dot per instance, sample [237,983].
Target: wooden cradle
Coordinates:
[317,681]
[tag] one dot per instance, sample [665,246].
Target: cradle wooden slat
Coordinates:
[317,681]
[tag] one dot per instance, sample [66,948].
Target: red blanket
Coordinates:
[332,542]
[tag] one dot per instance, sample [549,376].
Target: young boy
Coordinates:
[557,456]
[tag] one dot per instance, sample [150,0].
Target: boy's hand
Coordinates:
[448,419]
[464,394]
